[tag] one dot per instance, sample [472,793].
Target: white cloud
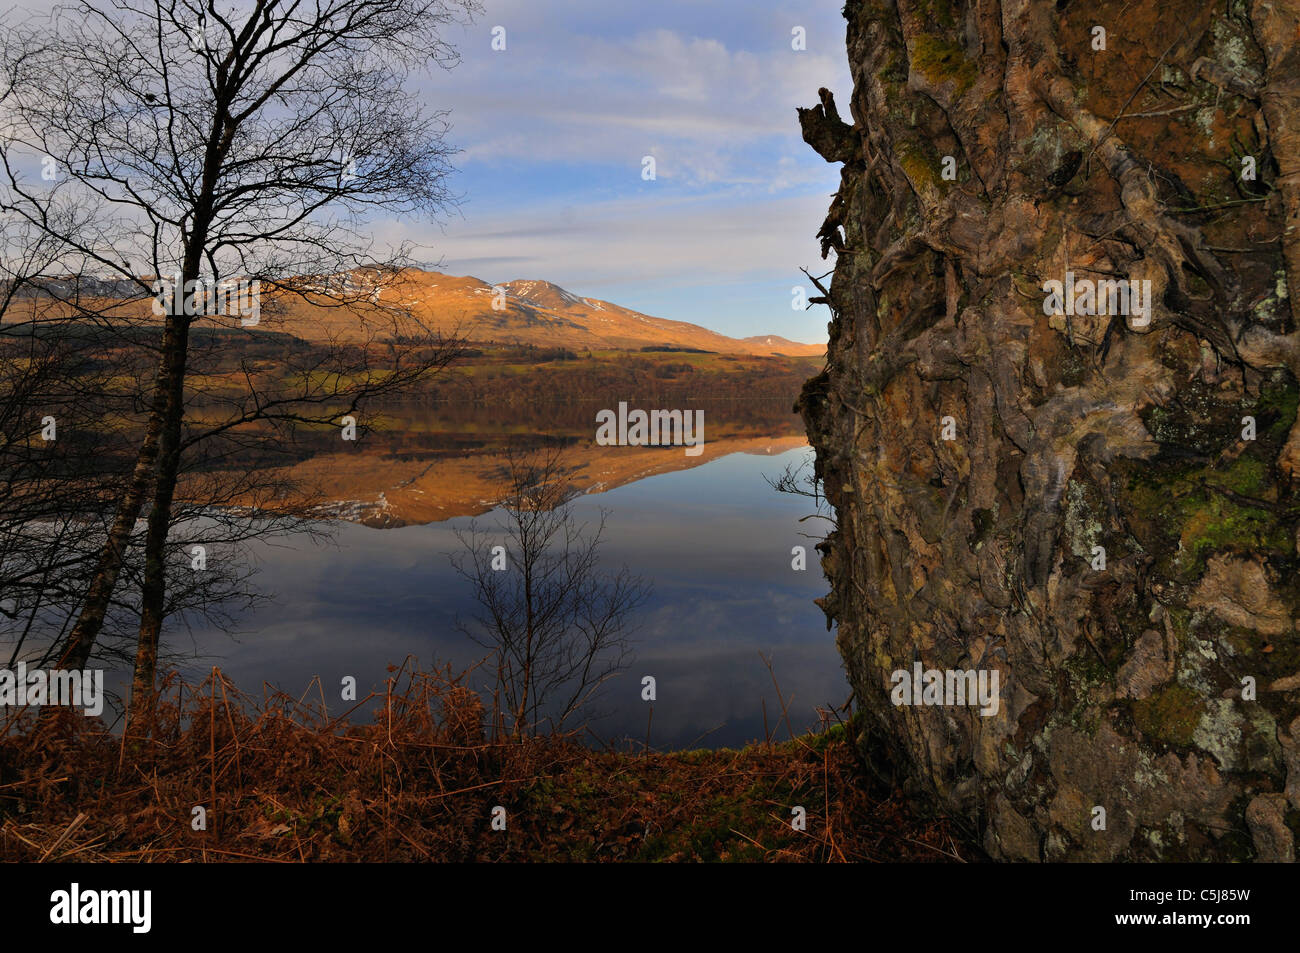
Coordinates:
[708,87]
[718,115]
[636,241]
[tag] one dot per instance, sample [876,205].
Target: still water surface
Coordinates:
[715,541]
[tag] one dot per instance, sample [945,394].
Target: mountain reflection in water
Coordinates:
[715,541]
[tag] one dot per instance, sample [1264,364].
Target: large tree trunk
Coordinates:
[1120,687]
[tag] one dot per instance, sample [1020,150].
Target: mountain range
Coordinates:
[523,312]
[546,315]
[542,314]
[515,312]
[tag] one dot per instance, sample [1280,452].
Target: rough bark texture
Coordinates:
[1121,687]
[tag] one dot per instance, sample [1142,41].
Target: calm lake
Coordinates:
[715,541]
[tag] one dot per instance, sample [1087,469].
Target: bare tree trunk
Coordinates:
[99,593]
[154,589]
[1072,500]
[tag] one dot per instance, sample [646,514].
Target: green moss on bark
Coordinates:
[941,60]
[1171,715]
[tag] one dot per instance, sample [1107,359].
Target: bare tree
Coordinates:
[52,464]
[210,144]
[557,626]
[68,392]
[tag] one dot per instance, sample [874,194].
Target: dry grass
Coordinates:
[281,782]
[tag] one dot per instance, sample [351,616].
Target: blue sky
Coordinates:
[553,131]
[554,128]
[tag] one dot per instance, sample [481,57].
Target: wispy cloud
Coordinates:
[693,240]
[554,130]
[711,114]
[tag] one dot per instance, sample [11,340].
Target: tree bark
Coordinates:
[153,590]
[981,452]
[153,593]
[99,594]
